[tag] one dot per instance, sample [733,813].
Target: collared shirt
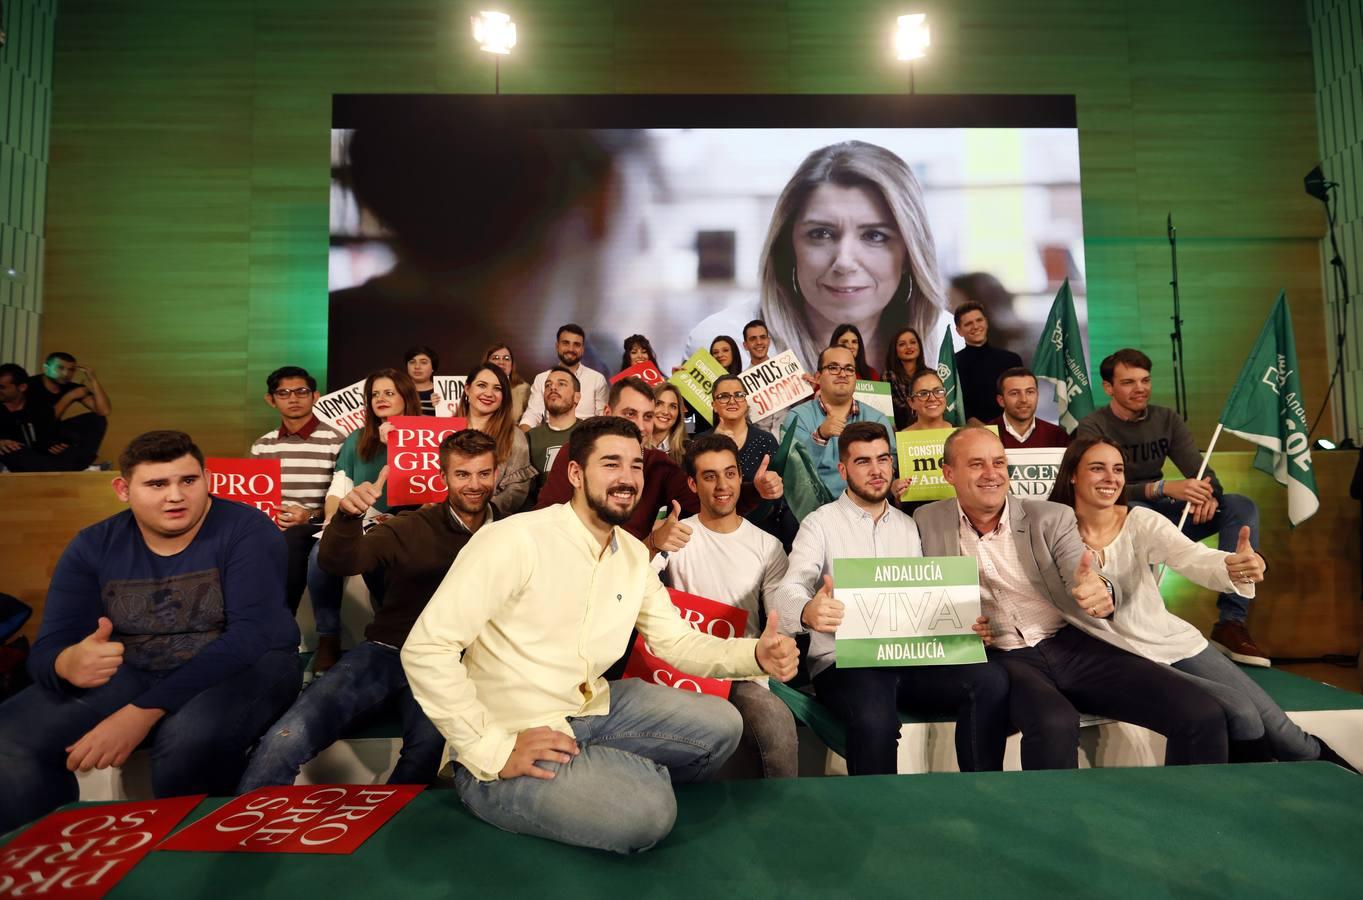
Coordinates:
[839,530]
[804,420]
[1020,613]
[307,458]
[595,391]
[1020,437]
[526,621]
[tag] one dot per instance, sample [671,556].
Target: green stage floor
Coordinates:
[1277,830]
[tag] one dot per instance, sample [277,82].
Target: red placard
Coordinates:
[255,482]
[84,852]
[709,616]
[645,370]
[414,458]
[298,818]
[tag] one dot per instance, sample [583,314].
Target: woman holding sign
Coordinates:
[928,400]
[487,409]
[1128,542]
[725,351]
[637,350]
[849,241]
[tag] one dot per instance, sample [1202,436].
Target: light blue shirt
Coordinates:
[808,416]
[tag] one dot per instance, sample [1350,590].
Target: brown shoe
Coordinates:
[328,652]
[1232,639]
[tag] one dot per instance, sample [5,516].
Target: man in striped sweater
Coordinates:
[306,448]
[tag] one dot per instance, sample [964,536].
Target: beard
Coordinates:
[864,492]
[600,503]
[462,504]
[558,407]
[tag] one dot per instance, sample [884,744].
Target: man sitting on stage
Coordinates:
[1149,434]
[507,661]
[414,550]
[1034,574]
[1019,428]
[166,620]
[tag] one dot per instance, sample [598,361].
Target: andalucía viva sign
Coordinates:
[913,611]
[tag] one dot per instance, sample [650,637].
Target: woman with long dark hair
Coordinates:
[848,336]
[637,350]
[725,351]
[903,362]
[486,406]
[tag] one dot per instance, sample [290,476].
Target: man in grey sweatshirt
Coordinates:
[1148,435]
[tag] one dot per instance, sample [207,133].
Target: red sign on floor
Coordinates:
[85,852]
[710,616]
[299,818]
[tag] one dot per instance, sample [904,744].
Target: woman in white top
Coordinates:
[1128,542]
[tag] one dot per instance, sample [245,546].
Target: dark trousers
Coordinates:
[1072,672]
[868,702]
[199,749]
[82,434]
[299,539]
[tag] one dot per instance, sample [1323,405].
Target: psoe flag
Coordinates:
[1266,408]
[1060,359]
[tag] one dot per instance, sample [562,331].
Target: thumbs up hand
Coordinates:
[776,653]
[364,495]
[93,661]
[824,611]
[1089,590]
[769,485]
[671,534]
[1244,565]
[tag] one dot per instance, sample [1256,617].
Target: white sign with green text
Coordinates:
[915,611]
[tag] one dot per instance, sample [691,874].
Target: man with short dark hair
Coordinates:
[414,550]
[593,388]
[1150,434]
[728,559]
[166,621]
[562,391]
[978,365]
[818,421]
[757,341]
[507,660]
[306,448]
[56,388]
[29,436]
[1037,577]
[862,523]
[1019,428]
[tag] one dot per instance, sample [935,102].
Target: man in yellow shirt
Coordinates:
[507,659]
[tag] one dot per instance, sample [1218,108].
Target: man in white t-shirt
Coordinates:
[726,558]
[593,387]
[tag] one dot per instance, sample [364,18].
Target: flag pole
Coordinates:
[1201,470]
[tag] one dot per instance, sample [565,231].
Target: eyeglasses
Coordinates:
[726,397]
[286,393]
[499,357]
[924,395]
[835,369]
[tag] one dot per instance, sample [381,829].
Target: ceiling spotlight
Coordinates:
[912,39]
[494,32]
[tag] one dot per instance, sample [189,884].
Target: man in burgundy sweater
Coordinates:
[1019,428]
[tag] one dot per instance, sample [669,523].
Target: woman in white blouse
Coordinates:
[1128,543]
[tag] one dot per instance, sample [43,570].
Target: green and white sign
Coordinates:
[875,394]
[914,611]
[920,461]
[1031,473]
[695,379]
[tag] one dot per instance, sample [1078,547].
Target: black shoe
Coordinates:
[1328,754]
[1255,751]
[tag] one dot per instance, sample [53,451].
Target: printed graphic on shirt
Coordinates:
[164,622]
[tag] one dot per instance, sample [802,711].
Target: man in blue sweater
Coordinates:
[164,624]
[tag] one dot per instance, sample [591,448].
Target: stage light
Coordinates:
[1324,444]
[494,32]
[912,39]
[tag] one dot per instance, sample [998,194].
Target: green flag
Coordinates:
[1266,408]
[1059,359]
[946,370]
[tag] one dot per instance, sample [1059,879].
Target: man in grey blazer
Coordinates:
[1036,576]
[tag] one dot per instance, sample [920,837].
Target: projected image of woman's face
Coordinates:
[849,255]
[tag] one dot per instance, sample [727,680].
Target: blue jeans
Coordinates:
[367,680]
[1250,713]
[324,590]
[617,793]
[1233,511]
[199,749]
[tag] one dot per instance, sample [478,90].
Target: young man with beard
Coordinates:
[862,523]
[415,550]
[508,656]
[1150,434]
[730,560]
[593,388]
[1018,426]
[1036,577]
[164,623]
[306,448]
[562,391]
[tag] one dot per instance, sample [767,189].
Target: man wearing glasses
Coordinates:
[818,422]
[306,448]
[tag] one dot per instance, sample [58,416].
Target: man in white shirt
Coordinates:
[507,661]
[862,523]
[729,559]
[592,385]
